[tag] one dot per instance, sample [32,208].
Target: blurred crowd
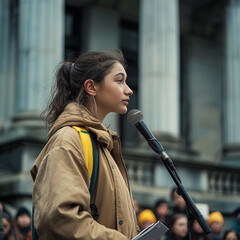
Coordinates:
[16,227]
[176,218]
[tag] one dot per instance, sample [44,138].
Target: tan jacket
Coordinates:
[61,197]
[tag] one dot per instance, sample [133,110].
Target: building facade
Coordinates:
[183,61]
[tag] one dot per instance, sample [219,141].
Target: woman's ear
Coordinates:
[90,87]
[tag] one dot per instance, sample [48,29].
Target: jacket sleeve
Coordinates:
[61,198]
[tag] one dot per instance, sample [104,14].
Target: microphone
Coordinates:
[135,117]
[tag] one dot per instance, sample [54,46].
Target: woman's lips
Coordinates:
[126,102]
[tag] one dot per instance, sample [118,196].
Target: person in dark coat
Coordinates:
[22,224]
[161,211]
[215,222]
[179,204]
[8,229]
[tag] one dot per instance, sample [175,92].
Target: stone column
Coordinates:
[38,44]
[159,65]
[8,43]
[232,83]
[102,33]
[41,35]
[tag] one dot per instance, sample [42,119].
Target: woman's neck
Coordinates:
[95,111]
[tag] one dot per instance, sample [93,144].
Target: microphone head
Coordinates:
[134,116]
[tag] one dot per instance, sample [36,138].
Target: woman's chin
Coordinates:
[121,110]
[124,111]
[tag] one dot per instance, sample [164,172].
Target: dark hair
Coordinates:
[21,211]
[7,216]
[175,217]
[70,78]
[228,231]
[173,190]
[158,203]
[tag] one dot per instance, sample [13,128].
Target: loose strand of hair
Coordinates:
[60,94]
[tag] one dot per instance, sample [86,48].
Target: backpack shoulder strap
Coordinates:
[87,147]
[89,143]
[95,164]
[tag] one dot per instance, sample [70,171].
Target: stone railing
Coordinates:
[140,172]
[212,178]
[225,182]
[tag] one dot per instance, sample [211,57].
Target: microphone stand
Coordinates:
[194,212]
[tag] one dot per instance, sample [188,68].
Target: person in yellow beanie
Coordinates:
[215,221]
[146,218]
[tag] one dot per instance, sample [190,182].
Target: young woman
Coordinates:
[86,91]
[161,210]
[230,234]
[178,227]
[8,227]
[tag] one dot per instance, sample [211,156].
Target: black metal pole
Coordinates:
[157,147]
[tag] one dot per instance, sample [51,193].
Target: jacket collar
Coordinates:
[78,115]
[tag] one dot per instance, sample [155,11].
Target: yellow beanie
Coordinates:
[146,215]
[215,217]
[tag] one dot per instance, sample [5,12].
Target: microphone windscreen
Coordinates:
[134,116]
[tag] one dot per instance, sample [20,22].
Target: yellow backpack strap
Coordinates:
[87,147]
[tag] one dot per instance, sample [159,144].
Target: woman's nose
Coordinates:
[128,90]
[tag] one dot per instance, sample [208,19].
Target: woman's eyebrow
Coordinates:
[122,74]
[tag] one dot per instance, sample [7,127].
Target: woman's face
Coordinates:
[162,209]
[216,227]
[179,201]
[231,236]
[197,228]
[6,226]
[24,220]
[180,227]
[113,95]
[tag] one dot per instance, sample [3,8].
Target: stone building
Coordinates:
[183,65]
